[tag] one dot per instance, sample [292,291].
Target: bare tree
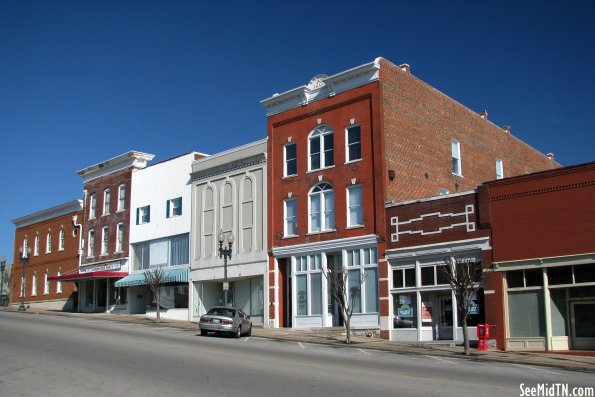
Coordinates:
[466,277]
[7,287]
[155,279]
[345,290]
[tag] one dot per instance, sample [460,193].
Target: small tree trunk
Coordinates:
[466,336]
[157,296]
[348,329]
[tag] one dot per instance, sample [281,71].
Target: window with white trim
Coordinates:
[354,206]
[456,157]
[61,240]
[290,154]
[34,284]
[121,197]
[321,208]
[59,283]
[143,215]
[362,264]
[106,201]
[36,246]
[353,143]
[174,207]
[290,217]
[104,240]
[46,284]
[48,242]
[91,243]
[120,237]
[499,169]
[321,147]
[308,281]
[92,205]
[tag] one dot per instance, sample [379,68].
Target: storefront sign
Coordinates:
[102,268]
[405,309]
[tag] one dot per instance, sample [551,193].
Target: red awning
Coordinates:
[88,276]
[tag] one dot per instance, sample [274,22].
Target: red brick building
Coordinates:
[54,243]
[341,146]
[105,231]
[423,236]
[543,239]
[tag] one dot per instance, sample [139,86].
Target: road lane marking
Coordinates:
[441,359]
[365,352]
[302,346]
[537,369]
[246,339]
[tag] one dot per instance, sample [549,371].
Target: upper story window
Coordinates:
[354,206]
[456,157]
[499,169]
[321,145]
[354,143]
[322,205]
[48,243]
[92,205]
[143,215]
[121,197]
[227,208]
[91,243]
[290,153]
[174,207]
[61,240]
[36,246]
[106,199]
[290,217]
[46,284]
[104,240]
[120,238]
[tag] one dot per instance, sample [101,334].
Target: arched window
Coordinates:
[48,242]
[91,243]
[36,247]
[61,242]
[322,206]
[106,201]
[121,197]
[208,221]
[321,147]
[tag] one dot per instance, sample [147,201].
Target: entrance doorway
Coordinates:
[333,262]
[445,317]
[582,322]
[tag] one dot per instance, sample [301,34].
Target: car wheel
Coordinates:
[238,332]
[203,332]
[249,331]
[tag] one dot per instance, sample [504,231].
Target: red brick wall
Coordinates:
[97,187]
[419,123]
[66,261]
[337,112]
[543,215]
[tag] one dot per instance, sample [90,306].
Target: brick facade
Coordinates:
[57,261]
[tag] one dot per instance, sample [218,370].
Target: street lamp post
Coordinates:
[225,253]
[24,259]
[2,266]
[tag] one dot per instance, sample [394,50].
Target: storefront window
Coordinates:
[404,278]
[309,285]
[427,275]
[316,289]
[371,288]
[559,313]
[354,291]
[476,311]
[302,294]
[405,311]
[525,314]
[584,273]
[559,275]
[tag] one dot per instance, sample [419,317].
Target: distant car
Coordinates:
[225,320]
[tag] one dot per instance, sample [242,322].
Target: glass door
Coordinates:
[583,324]
[445,319]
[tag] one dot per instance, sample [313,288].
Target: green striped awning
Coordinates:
[169,276]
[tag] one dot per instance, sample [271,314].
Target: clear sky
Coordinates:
[84,81]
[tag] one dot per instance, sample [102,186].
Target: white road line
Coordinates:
[302,346]
[246,339]
[537,369]
[441,359]
[365,352]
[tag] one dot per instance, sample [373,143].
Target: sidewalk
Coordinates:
[583,361]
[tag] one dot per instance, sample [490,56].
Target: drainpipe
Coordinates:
[80,227]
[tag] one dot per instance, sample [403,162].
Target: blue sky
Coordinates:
[84,81]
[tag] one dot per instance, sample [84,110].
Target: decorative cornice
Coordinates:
[544,262]
[542,191]
[321,87]
[132,159]
[451,247]
[50,213]
[228,167]
[320,246]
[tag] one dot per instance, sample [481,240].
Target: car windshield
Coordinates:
[221,311]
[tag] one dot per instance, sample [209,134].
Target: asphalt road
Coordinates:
[63,356]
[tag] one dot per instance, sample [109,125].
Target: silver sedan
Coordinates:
[229,320]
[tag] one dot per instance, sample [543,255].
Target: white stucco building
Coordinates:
[159,236]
